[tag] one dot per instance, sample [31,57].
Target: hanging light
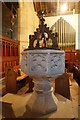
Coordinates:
[64,7]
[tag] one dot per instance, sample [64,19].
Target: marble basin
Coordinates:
[43,66]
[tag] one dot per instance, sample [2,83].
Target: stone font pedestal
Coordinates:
[43,66]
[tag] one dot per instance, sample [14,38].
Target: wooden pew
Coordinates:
[14,80]
[76,74]
[62,86]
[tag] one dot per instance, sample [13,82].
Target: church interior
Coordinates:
[21,23]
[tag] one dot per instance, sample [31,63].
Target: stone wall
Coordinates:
[27,22]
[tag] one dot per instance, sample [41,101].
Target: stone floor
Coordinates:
[65,108]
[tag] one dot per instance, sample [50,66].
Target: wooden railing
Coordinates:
[9,54]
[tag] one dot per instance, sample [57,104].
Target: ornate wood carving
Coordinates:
[43,37]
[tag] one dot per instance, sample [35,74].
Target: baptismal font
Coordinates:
[43,62]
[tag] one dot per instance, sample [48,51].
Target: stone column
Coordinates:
[27,22]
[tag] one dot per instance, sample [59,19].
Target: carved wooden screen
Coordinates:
[66,34]
[9,54]
[43,38]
